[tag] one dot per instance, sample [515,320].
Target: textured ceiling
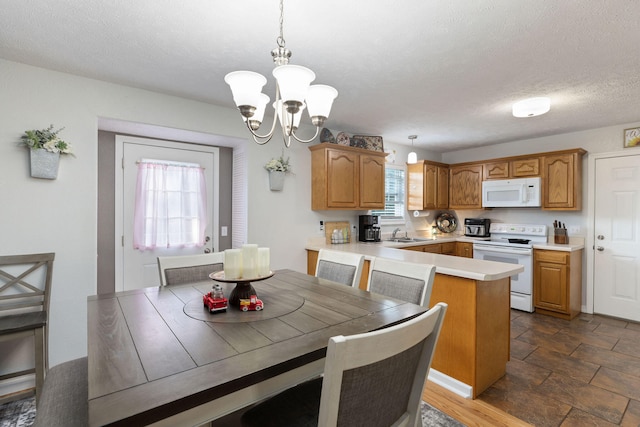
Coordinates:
[446,70]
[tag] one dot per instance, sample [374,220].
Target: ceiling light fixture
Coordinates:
[531,107]
[293,95]
[412,158]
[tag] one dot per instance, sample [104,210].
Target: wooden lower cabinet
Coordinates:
[464,249]
[446,248]
[557,283]
[474,342]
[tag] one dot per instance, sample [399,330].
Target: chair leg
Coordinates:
[40,360]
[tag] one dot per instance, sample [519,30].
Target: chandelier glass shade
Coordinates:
[294,94]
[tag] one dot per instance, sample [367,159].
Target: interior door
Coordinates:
[138,269]
[617,237]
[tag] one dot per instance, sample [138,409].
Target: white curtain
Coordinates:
[171,205]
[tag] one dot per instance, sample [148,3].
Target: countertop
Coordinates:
[445,264]
[467,268]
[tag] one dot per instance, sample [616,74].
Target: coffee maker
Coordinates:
[369,230]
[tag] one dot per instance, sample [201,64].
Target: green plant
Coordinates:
[46,139]
[279,164]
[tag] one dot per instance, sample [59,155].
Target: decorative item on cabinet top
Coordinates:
[373,143]
[45,150]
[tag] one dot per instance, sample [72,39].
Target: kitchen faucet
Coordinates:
[393,235]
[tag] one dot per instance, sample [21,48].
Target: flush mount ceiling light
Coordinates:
[293,95]
[531,107]
[412,158]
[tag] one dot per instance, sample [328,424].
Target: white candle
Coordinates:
[249,261]
[263,262]
[232,264]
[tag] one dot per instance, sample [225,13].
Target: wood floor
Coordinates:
[584,372]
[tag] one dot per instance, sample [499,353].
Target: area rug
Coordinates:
[22,413]
[431,417]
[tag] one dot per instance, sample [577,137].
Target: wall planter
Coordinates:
[276,180]
[44,164]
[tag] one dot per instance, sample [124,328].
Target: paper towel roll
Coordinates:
[420,214]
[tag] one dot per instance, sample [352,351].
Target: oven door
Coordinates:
[521,283]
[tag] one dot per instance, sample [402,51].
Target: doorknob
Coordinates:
[600,248]
[207,251]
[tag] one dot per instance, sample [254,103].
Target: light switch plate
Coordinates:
[223,231]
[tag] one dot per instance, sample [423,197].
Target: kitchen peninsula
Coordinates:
[473,348]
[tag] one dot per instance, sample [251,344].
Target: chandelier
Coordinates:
[294,94]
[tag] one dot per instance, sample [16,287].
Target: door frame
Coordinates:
[118,203]
[591,220]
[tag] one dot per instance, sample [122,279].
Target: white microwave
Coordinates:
[522,192]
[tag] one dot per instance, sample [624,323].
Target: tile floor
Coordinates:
[584,372]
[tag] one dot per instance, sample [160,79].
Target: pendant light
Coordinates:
[412,158]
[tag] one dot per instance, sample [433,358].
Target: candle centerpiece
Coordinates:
[243,266]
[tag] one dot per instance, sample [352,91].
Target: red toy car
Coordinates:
[253,304]
[214,304]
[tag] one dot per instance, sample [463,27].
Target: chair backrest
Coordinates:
[177,270]
[25,283]
[377,378]
[341,267]
[407,281]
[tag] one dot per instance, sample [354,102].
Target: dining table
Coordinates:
[157,356]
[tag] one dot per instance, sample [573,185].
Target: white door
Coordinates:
[617,237]
[139,269]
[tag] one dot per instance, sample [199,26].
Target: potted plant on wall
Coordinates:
[277,168]
[45,150]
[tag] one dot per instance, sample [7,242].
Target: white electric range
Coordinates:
[513,244]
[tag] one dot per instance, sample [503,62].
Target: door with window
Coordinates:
[159,209]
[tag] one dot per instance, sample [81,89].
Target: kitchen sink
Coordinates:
[407,239]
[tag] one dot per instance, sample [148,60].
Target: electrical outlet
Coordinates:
[574,229]
[224,231]
[321,225]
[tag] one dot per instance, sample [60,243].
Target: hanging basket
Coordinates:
[44,164]
[276,180]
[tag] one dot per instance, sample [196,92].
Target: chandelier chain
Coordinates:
[280,39]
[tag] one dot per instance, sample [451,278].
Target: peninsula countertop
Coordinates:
[467,268]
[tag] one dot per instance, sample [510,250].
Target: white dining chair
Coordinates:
[407,281]
[177,270]
[373,379]
[340,267]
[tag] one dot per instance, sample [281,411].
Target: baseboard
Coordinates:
[17,384]
[451,384]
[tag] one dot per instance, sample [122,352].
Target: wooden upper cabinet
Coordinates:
[346,178]
[371,181]
[516,168]
[562,181]
[496,170]
[465,186]
[427,186]
[525,168]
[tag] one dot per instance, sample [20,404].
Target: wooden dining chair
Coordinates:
[340,267]
[25,289]
[407,281]
[371,379]
[178,270]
